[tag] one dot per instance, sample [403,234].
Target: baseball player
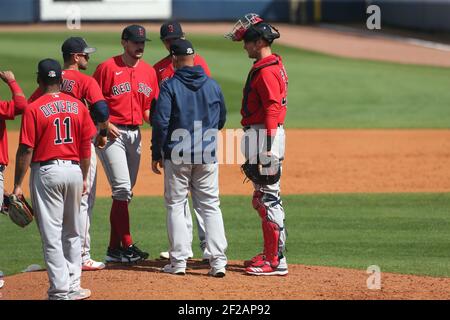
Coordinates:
[193,103]
[8,110]
[55,140]
[76,53]
[263,112]
[169,32]
[130,87]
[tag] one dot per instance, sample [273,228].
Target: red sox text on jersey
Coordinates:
[129,91]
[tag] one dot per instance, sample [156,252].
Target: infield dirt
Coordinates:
[145,281]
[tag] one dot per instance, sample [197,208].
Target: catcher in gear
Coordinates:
[263,111]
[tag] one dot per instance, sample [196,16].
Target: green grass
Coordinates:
[403,233]
[324,91]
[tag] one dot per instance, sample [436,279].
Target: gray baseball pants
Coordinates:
[202,181]
[121,159]
[87,208]
[56,196]
[253,143]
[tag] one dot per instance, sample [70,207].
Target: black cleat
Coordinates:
[135,254]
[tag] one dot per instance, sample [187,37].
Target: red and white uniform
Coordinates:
[78,85]
[164,68]
[129,91]
[59,129]
[8,110]
[264,107]
[57,126]
[84,88]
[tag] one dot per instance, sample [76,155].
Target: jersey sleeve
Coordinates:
[6,110]
[88,131]
[92,91]
[28,128]
[9,109]
[268,88]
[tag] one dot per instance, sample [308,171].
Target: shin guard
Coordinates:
[271,231]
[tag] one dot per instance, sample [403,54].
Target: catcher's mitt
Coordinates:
[263,174]
[20,211]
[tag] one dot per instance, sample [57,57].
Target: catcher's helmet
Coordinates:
[242,25]
[261,30]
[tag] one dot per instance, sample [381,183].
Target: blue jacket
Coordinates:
[190,104]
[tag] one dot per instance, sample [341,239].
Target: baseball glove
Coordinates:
[20,211]
[263,174]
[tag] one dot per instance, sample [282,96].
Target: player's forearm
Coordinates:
[147,116]
[85,164]
[20,102]
[23,161]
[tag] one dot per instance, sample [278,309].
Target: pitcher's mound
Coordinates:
[145,281]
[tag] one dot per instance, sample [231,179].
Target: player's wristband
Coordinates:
[103,132]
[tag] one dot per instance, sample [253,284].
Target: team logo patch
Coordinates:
[141,32]
[170,28]
[189,51]
[52,74]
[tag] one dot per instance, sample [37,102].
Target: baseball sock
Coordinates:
[114,239]
[123,222]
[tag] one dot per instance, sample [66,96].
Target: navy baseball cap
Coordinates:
[171,30]
[135,33]
[261,30]
[181,47]
[76,45]
[49,69]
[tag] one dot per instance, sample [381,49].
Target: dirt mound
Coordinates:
[146,282]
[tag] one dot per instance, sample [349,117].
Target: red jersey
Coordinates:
[129,91]
[78,85]
[57,126]
[8,110]
[265,94]
[164,68]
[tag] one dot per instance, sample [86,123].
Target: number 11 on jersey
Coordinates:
[67,131]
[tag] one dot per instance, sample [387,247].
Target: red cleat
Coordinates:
[266,269]
[256,260]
